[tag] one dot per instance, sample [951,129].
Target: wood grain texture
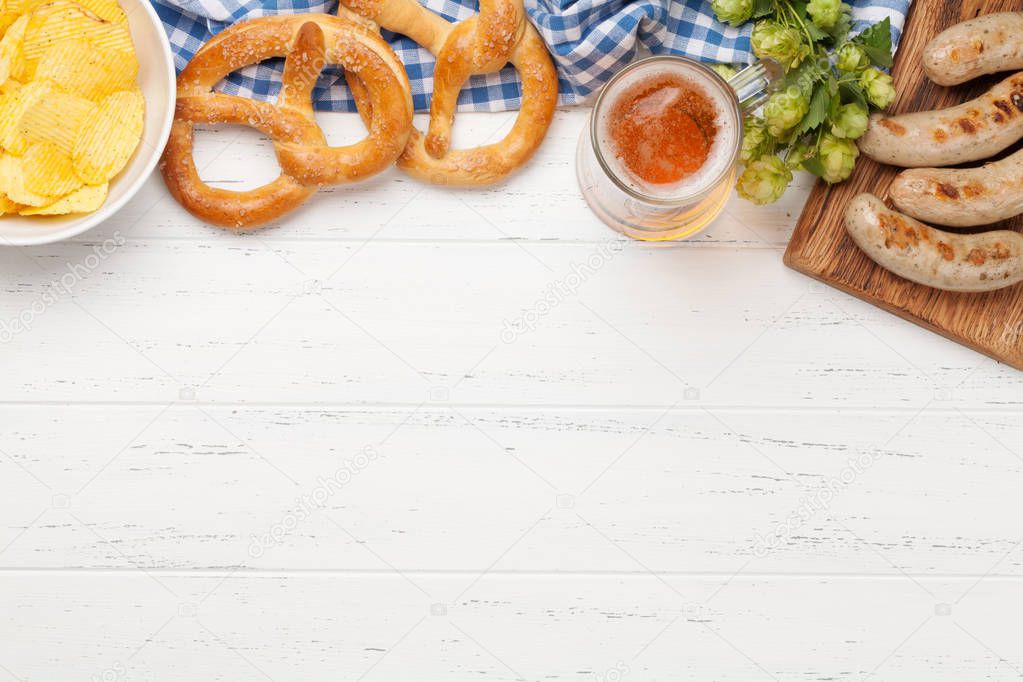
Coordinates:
[991,322]
[160,626]
[512,490]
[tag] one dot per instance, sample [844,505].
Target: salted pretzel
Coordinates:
[308,42]
[498,35]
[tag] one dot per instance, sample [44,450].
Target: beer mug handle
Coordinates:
[754,84]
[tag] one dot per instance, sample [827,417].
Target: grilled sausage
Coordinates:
[987,44]
[970,131]
[961,197]
[923,254]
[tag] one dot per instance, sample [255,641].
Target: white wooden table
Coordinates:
[421,434]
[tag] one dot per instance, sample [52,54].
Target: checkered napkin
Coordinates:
[589,39]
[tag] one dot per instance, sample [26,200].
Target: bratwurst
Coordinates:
[962,197]
[987,44]
[970,131]
[932,257]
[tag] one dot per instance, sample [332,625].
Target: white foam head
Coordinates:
[721,154]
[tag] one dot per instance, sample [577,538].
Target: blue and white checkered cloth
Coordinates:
[590,40]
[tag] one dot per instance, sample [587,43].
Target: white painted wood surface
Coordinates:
[455,435]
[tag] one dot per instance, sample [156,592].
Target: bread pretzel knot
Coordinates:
[308,42]
[498,35]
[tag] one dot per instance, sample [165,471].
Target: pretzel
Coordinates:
[308,42]
[481,44]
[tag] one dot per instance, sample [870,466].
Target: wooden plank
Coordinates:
[449,487]
[67,626]
[991,323]
[343,322]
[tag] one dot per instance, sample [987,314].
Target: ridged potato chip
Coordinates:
[82,69]
[13,106]
[47,171]
[71,114]
[56,118]
[109,137]
[8,206]
[83,200]
[107,10]
[7,19]
[12,63]
[13,186]
[62,20]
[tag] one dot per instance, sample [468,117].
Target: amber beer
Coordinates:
[658,159]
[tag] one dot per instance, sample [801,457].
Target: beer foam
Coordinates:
[722,149]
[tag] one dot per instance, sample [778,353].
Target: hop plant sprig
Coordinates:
[833,80]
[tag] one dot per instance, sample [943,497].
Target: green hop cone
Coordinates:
[878,86]
[764,180]
[837,156]
[726,71]
[850,122]
[824,13]
[851,58]
[784,110]
[756,141]
[734,12]
[771,40]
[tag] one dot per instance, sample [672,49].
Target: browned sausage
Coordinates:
[962,197]
[987,44]
[923,254]
[970,131]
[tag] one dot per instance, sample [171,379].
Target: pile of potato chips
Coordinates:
[70,110]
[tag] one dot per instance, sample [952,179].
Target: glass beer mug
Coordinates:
[671,183]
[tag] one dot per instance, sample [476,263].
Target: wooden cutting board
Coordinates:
[991,323]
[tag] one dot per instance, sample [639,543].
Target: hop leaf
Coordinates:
[878,86]
[734,12]
[837,157]
[783,44]
[784,110]
[851,58]
[764,180]
[850,122]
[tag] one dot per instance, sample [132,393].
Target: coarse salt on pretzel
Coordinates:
[498,35]
[308,42]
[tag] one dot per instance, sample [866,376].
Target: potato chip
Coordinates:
[56,118]
[62,20]
[13,107]
[83,200]
[11,60]
[47,171]
[107,10]
[13,186]
[7,19]
[109,137]
[82,69]
[9,206]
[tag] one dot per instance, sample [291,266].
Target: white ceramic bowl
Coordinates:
[157,80]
